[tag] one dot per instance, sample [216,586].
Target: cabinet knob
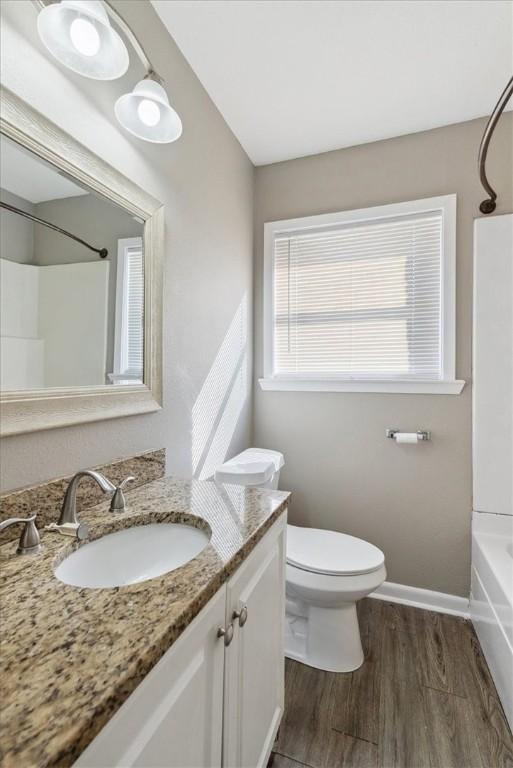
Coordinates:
[241,615]
[226,633]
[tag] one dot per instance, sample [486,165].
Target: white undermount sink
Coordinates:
[132,555]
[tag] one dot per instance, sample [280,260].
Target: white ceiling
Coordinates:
[298,77]
[23,174]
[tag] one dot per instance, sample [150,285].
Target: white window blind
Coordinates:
[134,311]
[129,341]
[361,300]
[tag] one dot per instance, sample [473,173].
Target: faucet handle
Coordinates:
[117,503]
[30,541]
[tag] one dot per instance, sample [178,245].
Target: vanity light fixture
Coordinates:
[146,113]
[78,33]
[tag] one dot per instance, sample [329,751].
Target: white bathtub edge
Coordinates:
[494,642]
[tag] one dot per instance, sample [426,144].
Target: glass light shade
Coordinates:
[78,33]
[147,114]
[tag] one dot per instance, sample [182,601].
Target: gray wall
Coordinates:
[412,501]
[98,222]
[205,181]
[16,233]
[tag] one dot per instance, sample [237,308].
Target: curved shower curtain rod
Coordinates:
[489,205]
[102,252]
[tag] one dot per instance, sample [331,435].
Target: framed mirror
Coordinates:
[81,265]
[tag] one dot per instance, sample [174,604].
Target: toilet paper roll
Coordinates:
[406,437]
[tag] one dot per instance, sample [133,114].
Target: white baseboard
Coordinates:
[423,598]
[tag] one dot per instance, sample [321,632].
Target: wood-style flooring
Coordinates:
[423,698]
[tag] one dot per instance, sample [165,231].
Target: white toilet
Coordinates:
[327,572]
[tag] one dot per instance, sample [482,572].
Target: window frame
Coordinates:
[448,384]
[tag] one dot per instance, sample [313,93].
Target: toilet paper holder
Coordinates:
[422,434]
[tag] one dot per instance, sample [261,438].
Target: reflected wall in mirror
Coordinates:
[69,318]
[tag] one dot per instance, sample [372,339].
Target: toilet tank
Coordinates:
[254,467]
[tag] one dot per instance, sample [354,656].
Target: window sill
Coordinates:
[434,387]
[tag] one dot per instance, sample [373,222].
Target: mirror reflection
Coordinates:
[71,280]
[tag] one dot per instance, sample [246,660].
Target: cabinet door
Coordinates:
[174,718]
[254,661]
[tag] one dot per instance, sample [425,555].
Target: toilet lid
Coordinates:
[332,553]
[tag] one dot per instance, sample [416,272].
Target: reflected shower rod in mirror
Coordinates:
[489,205]
[79,34]
[102,252]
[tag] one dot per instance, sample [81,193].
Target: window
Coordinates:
[129,335]
[362,300]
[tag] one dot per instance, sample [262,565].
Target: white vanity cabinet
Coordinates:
[211,700]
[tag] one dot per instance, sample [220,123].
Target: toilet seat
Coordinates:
[331,553]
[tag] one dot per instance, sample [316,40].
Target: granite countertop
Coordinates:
[70,656]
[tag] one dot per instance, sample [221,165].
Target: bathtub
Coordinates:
[491,599]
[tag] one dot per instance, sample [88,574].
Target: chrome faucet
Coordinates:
[68,514]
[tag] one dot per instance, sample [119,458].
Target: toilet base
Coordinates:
[324,638]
